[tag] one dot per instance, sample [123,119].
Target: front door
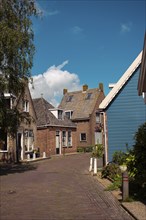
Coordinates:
[58,142]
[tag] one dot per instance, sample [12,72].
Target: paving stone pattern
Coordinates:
[57,189]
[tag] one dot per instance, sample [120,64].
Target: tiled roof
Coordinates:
[82,103]
[46,118]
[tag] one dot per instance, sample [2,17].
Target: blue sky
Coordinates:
[84,42]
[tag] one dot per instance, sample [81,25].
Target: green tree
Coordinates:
[139,151]
[16,54]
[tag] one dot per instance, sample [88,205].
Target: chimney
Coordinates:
[85,88]
[64,91]
[101,87]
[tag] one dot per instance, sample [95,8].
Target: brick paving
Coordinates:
[56,189]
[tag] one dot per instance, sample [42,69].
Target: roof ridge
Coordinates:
[45,110]
[121,82]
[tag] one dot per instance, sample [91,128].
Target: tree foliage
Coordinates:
[139,151]
[16,51]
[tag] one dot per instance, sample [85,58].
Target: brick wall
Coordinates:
[46,140]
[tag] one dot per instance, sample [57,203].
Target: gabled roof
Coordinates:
[82,103]
[44,116]
[26,91]
[118,86]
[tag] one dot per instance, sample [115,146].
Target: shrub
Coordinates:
[111,171]
[138,161]
[119,157]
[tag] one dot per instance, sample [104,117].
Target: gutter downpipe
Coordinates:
[105,138]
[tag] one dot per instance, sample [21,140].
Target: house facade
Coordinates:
[124,111]
[16,148]
[55,132]
[81,107]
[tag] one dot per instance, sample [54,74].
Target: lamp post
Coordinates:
[125,182]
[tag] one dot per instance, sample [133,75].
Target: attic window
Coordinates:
[60,114]
[25,105]
[69,98]
[69,114]
[88,96]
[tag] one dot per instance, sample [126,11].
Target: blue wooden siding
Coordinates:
[124,115]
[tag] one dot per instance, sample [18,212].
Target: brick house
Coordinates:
[55,132]
[16,148]
[82,108]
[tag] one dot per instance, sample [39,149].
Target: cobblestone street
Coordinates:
[60,188]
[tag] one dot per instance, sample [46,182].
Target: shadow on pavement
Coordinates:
[6,169]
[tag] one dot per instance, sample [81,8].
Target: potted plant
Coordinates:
[96,154]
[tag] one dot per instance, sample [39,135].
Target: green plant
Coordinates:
[98,150]
[111,171]
[139,151]
[119,157]
[113,186]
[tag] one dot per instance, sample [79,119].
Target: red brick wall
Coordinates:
[46,140]
[88,127]
[83,127]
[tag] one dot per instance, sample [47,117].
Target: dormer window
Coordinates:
[69,98]
[88,96]
[25,105]
[68,114]
[60,114]
[57,113]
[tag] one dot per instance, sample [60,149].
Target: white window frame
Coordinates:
[69,138]
[29,140]
[68,114]
[25,105]
[64,139]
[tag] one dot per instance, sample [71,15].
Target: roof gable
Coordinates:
[118,86]
[27,94]
[46,118]
[82,103]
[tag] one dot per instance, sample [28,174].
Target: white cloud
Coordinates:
[51,13]
[52,82]
[43,12]
[76,30]
[126,27]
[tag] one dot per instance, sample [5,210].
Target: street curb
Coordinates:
[129,212]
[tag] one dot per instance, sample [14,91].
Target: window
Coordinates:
[69,98]
[88,96]
[83,137]
[28,140]
[97,117]
[64,138]
[60,114]
[69,114]
[69,139]
[3,141]
[9,100]
[25,105]
[57,133]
